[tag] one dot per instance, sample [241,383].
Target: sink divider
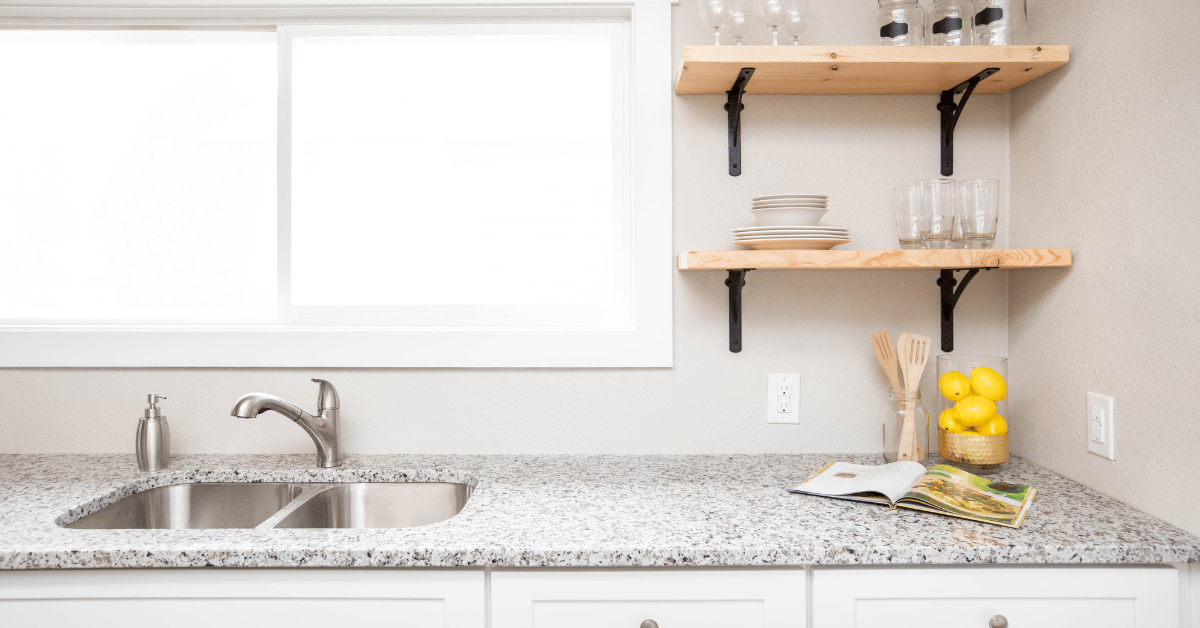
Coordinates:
[307,492]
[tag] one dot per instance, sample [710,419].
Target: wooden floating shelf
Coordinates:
[863,69]
[949,259]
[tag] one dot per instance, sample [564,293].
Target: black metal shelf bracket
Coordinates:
[950,114]
[950,298]
[736,280]
[734,107]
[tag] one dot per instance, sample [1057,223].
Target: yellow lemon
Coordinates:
[954,385]
[995,427]
[975,410]
[948,421]
[986,382]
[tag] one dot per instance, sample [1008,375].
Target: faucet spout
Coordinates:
[323,428]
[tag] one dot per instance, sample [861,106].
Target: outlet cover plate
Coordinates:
[1100,425]
[783,398]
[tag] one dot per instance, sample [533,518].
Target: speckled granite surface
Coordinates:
[568,511]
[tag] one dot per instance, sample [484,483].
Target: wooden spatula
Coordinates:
[914,357]
[886,357]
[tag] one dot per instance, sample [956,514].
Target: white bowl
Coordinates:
[788,216]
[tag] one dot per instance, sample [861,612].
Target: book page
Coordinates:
[954,491]
[842,479]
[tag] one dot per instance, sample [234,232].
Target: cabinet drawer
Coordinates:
[235,598]
[627,598]
[1124,597]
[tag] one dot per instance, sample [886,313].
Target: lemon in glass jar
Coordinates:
[997,426]
[987,383]
[975,410]
[948,421]
[954,385]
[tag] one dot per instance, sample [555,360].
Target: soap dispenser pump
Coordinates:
[153,442]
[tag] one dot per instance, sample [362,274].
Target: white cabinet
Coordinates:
[602,598]
[969,597]
[236,598]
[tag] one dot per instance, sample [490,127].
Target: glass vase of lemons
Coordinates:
[972,425]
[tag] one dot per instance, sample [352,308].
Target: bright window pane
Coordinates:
[137,175]
[459,169]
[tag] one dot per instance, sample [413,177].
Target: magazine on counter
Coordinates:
[941,489]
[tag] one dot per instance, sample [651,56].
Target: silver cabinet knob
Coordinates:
[999,621]
[649,623]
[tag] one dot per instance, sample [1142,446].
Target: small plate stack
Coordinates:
[790,221]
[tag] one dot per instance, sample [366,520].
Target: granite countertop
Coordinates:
[569,511]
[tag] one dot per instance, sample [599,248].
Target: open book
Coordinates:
[941,489]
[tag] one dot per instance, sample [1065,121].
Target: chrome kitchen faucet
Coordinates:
[323,428]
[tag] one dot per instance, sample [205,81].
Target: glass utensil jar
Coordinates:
[972,427]
[950,23]
[894,422]
[999,22]
[900,23]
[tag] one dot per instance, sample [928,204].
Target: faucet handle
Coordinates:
[327,396]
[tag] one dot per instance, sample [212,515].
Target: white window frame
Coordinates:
[645,342]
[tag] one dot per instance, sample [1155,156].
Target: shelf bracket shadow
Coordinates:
[736,280]
[734,107]
[950,298]
[950,114]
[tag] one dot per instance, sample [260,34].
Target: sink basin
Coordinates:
[267,505]
[393,505]
[194,507]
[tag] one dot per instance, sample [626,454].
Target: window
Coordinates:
[492,191]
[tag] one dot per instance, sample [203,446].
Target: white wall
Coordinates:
[1104,161]
[854,148]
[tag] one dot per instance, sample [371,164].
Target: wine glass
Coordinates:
[741,19]
[715,14]
[795,25]
[773,14]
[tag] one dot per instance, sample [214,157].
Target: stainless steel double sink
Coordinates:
[271,505]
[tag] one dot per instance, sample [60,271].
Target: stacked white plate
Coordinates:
[796,237]
[790,221]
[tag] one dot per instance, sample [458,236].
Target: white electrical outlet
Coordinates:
[1100,425]
[783,398]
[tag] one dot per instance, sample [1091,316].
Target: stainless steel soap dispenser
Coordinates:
[153,442]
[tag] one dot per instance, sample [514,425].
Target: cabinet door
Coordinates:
[233,598]
[969,597]
[700,598]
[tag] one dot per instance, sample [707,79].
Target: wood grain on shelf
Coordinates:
[863,69]
[894,259]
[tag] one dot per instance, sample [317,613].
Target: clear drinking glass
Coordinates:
[950,23]
[907,204]
[979,212]
[938,206]
[901,23]
[773,14]
[741,20]
[999,22]
[956,232]
[795,25]
[894,422]
[715,14]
